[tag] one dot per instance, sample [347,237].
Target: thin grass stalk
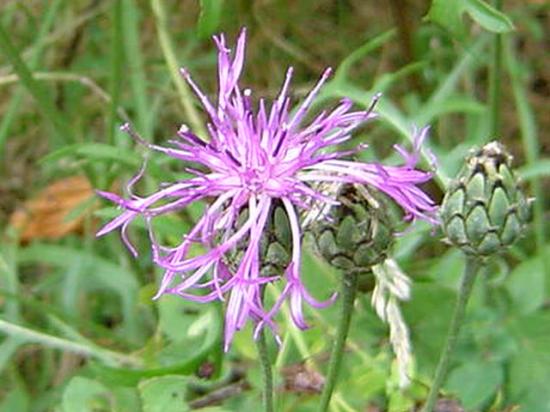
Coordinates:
[495,89]
[168,51]
[136,74]
[10,113]
[529,136]
[117,57]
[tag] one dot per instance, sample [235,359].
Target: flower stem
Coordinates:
[349,290]
[467,282]
[266,369]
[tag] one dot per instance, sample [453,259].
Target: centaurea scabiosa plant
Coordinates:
[254,159]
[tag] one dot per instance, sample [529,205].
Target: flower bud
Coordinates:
[484,209]
[357,233]
[275,243]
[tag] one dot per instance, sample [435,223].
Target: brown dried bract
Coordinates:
[51,213]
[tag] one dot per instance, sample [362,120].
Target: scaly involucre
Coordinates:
[256,157]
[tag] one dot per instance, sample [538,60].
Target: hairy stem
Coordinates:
[349,290]
[466,284]
[266,370]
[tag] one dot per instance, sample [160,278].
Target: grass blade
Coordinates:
[10,113]
[45,103]
[173,67]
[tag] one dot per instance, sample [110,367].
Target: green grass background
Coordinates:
[78,330]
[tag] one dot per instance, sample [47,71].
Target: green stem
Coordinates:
[349,290]
[468,278]
[266,369]
[495,75]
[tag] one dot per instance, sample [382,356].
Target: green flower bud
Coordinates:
[275,243]
[356,234]
[484,209]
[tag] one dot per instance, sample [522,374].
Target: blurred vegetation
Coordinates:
[79,331]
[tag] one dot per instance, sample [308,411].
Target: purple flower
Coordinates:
[254,158]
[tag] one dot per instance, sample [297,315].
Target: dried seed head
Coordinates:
[484,209]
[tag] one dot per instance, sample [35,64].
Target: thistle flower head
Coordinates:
[257,157]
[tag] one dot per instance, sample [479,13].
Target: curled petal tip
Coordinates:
[184,72]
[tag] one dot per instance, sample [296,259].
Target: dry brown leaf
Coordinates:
[47,215]
[301,378]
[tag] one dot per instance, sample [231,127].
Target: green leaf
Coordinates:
[103,274]
[529,371]
[126,399]
[448,14]
[96,151]
[163,394]
[176,316]
[488,17]
[106,272]
[475,382]
[15,400]
[454,104]
[184,365]
[536,169]
[428,315]
[85,395]
[526,286]
[209,18]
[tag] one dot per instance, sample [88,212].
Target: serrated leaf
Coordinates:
[475,382]
[488,17]
[164,394]
[526,286]
[85,395]
[209,18]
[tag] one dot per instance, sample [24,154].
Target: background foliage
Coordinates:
[79,331]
